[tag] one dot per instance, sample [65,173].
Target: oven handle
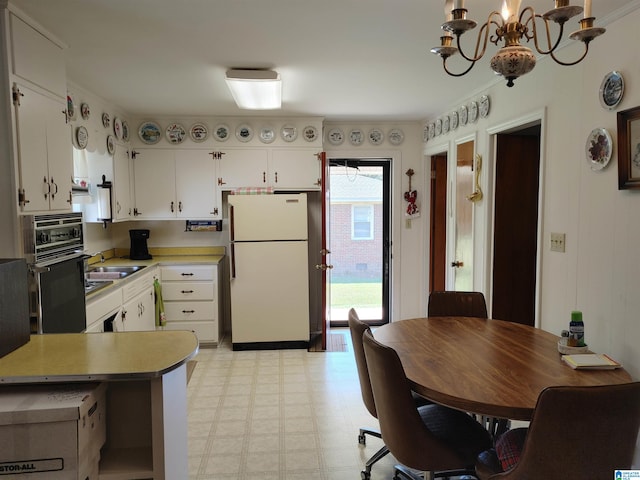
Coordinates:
[43,266]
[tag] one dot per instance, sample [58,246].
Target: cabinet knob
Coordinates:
[171,207]
[179,206]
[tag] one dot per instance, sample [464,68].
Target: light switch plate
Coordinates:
[557,242]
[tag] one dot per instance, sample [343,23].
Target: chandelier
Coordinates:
[513,59]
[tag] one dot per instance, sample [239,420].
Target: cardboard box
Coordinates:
[52,432]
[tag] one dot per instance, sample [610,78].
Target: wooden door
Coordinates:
[438,224]
[155,183]
[195,184]
[515,238]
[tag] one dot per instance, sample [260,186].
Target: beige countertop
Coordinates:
[80,357]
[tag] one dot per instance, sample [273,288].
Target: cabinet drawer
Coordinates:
[187,311]
[207,332]
[187,291]
[137,285]
[188,272]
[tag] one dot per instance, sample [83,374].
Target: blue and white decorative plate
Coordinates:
[149,132]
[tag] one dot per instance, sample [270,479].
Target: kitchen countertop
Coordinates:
[169,258]
[81,357]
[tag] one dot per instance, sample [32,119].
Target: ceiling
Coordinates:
[338,59]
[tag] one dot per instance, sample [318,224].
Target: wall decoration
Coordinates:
[125,131]
[221,132]
[84,111]
[111,144]
[244,133]
[395,136]
[309,133]
[598,148]
[629,149]
[410,197]
[356,136]
[149,132]
[476,196]
[71,107]
[335,136]
[376,136]
[484,106]
[117,128]
[82,137]
[106,120]
[267,135]
[611,90]
[175,133]
[289,133]
[198,132]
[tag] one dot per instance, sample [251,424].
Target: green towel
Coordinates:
[161,319]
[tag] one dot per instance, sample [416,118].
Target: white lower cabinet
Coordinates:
[138,304]
[191,300]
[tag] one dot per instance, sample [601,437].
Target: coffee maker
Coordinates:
[139,249]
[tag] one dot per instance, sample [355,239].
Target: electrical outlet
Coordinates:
[557,242]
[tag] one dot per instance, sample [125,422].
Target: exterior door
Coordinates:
[515,237]
[462,264]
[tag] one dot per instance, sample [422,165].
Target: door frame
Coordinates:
[395,159]
[512,126]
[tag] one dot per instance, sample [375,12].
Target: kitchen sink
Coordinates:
[111,272]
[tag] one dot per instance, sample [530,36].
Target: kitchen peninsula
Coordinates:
[146,401]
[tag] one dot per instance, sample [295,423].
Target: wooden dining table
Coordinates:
[488,367]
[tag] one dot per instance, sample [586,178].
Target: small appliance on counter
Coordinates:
[139,249]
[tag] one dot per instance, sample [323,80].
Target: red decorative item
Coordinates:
[410,197]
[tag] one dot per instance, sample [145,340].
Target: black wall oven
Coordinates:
[54,249]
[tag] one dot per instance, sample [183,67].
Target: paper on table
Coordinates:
[592,361]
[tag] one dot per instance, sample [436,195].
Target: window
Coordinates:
[362,222]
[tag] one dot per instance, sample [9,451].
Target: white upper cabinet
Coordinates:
[173,184]
[37,58]
[44,160]
[281,168]
[44,156]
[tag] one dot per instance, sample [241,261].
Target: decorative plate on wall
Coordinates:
[484,106]
[149,132]
[117,128]
[463,115]
[356,136]
[84,111]
[454,120]
[375,136]
[289,133]
[175,133]
[221,132]
[438,126]
[198,132]
[111,144]
[473,112]
[598,148]
[611,90]
[244,133]
[309,133]
[445,124]
[82,137]
[106,120]
[267,135]
[71,107]
[125,131]
[396,136]
[335,136]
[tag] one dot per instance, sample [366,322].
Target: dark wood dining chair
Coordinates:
[440,441]
[456,304]
[357,328]
[575,433]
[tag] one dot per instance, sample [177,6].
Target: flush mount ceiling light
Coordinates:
[512,26]
[255,89]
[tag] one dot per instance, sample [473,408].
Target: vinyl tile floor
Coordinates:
[278,414]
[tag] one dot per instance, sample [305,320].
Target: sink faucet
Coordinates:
[101,256]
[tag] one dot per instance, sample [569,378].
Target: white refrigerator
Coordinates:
[269,271]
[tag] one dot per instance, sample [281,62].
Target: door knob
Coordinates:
[457,264]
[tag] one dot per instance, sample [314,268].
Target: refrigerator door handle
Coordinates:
[231,223]
[233,261]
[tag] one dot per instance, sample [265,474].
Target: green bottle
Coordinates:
[576,329]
